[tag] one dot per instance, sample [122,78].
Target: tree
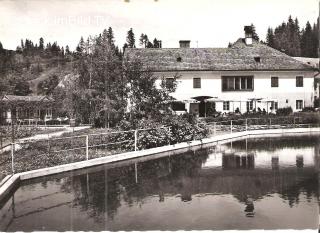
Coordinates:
[156,43]
[99,89]
[270,37]
[131,39]
[143,40]
[110,36]
[68,50]
[47,87]
[1,47]
[146,99]
[22,88]
[22,44]
[125,45]
[80,46]
[308,48]
[41,44]
[254,33]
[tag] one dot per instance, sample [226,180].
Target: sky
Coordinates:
[207,23]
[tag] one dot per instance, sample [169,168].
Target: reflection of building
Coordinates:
[25,108]
[249,207]
[299,161]
[232,161]
[275,162]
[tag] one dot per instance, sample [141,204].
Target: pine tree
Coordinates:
[110,36]
[68,50]
[80,46]
[293,38]
[41,43]
[307,42]
[254,33]
[315,43]
[131,39]
[144,40]
[149,44]
[22,44]
[124,47]
[270,37]
[1,47]
[156,43]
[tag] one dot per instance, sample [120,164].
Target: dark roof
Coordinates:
[238,57]
[31,98]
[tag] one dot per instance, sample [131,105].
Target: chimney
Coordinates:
[248,33]
[184,43]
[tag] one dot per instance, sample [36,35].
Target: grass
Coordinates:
[22,132]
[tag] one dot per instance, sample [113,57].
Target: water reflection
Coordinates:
[210,184]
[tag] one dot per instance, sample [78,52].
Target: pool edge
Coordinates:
[10,183]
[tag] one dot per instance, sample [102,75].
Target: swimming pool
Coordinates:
[266,183]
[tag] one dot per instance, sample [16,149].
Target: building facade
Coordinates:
[246,76]
[25,109]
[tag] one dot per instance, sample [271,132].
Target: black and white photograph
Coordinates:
[159,115]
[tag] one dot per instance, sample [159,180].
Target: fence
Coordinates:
[30,155]
[238,125]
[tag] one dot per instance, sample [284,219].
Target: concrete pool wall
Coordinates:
[12,181]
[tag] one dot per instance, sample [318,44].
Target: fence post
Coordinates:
[87,147]
[214,128]
[270,123]
[12,157]
[136,140]
[231,126]
[49,144]
[246,124]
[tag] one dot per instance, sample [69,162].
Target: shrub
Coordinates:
[284,111]
[175,129]
[308,109]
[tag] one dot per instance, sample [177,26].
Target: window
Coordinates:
[274,82]
[169,82]
[237,83]
[178,106]
[299,81]
[226,105]
[196,82]
[274,105]
[299,104]
[287,101]
[257,59]
[49,112]
[249,106]
[179,59]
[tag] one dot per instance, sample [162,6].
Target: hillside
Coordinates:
[32,68]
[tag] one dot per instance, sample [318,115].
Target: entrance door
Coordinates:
[202,109]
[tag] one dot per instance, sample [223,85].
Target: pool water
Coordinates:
[268,183]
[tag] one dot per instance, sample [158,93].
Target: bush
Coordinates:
[308,109]
[284,111]
[175,129]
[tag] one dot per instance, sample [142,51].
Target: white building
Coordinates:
[246,76]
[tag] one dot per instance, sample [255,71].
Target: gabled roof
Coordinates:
[31,98]
[238,57]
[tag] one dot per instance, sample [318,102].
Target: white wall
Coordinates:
[211,86]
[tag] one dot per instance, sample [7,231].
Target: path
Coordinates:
[65,129]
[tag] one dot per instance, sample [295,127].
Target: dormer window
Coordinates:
[179,59]
[257,59]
